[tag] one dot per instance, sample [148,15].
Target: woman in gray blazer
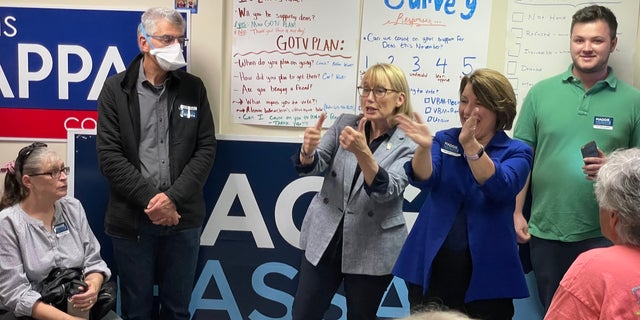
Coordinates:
[354,227]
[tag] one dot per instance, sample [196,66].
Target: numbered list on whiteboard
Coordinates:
[435,43]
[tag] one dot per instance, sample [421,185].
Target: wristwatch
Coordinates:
[475,156]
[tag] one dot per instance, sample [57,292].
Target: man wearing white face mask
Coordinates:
[156,145]
[169,57]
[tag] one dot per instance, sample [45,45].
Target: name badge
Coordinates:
[603,123]
[61,229]
[450,149]
[188,111]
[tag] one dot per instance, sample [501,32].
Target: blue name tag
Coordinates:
[605,123]
[450,149]
[188,111]
[61,229]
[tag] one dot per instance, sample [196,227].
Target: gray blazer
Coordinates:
[374,227]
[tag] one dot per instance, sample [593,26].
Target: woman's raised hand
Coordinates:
[416,129]
[312,136]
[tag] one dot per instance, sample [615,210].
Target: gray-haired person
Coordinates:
[605,282]
[156,145]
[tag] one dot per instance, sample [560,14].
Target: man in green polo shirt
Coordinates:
[559,115]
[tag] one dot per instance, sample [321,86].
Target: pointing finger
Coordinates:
[321,121]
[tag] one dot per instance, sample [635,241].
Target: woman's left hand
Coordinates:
[415,129]
[468,132]
[352,140]
[88,298]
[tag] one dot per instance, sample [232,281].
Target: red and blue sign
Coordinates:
[53,63]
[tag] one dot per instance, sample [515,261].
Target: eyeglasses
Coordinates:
[25,152]
[378,92]
[55,173]
[168,39]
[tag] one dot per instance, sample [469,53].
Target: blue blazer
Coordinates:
[374,227]
[497,272]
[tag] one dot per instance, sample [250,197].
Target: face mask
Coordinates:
[170,57]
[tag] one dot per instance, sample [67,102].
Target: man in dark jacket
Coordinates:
[156,145]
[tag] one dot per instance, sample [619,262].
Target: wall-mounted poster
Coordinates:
[50,77]
[293,60]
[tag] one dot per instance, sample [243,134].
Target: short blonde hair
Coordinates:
[377,73]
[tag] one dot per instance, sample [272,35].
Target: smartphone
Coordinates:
[589,149]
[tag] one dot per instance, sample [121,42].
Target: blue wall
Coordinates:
[255,205]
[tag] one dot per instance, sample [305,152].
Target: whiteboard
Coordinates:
[293,60]
[435,43]
[539,37]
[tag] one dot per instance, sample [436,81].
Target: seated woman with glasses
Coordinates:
[354,227]
[41,229]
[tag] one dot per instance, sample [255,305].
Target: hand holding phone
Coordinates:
[590,150]
[591,167]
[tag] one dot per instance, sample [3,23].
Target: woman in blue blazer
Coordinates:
[462,250]
[354,227]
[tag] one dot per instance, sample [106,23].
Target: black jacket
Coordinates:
[192,150]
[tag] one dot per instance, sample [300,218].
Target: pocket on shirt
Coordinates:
[391,222]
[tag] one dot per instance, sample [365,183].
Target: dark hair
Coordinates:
[495,93]
[594,13]
[28,160]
